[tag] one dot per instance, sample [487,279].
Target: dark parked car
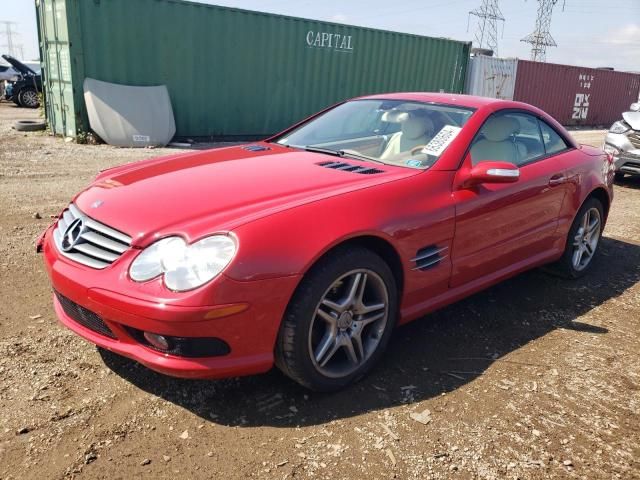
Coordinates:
[27,88]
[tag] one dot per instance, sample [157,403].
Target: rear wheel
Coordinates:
[339,320]
[583,240]
[28,98]
[618,176]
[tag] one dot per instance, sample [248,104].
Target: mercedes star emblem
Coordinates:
[72,234]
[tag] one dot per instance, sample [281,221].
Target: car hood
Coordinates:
[633,119]
[195,194]
[18,65]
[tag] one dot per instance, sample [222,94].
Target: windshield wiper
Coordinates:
[336,153]
[328,151]
[351,153]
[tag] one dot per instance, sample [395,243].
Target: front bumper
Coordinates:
[627,160]
[244,315]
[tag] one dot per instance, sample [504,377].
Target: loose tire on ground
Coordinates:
[566,266]
[29,125]
[295,354]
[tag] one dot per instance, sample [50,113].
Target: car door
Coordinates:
[504,226]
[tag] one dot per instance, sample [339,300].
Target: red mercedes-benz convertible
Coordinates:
[307,249]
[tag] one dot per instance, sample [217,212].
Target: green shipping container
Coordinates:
[230,73]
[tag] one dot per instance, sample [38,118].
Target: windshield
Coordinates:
[395,132]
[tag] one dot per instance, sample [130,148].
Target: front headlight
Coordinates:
[183,266]
[610,149]
[619,127]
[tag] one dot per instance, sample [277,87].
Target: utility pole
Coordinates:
[541,37]
[489,15]
[11,47]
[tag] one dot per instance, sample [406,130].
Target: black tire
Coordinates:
[565,267]
[28,98]
[293,348]
[618,176]
[29,125]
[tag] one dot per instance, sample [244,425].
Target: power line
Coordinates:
[11,46]
[489,15]
[541,37]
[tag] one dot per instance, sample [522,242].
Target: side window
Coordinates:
[553,143]
[508,137]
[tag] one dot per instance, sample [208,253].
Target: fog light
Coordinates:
[158,341]
[192,347]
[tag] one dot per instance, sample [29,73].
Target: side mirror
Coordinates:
[492,172]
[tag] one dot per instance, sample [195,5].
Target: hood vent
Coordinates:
[256,148]
[347,167]
[429,257]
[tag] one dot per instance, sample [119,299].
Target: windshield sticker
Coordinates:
[442,140]
[412,162]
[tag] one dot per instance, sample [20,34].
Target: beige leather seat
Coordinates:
[497,143]
[415,130]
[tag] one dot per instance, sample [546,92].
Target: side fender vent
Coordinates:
[348,167]
[429,257]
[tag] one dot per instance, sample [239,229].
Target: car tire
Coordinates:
[618,176]
[567,266]
[310,328]
[29,125]
[28,98]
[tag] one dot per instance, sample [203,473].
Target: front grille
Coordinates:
[84,317]
[91,243]
[634,138]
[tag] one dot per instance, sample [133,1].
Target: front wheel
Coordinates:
[583,240]
[339,321]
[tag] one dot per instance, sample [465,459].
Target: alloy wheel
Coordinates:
[30,99]
[348,323]
[586,239]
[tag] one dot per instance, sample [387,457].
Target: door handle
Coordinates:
[557,180]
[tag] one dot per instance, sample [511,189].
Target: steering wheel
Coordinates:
[417,149]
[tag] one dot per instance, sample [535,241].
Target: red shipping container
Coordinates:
[576,95]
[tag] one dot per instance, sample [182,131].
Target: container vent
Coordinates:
[348,167]
[429,257]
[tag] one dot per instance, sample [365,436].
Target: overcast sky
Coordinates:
[593,33]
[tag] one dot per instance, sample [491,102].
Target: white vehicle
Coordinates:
[623,142]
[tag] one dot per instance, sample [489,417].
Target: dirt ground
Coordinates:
[535,378]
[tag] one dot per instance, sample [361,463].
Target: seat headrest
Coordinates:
[394,116]
[416,126]
[498,129]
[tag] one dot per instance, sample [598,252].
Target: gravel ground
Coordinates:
[534,378]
